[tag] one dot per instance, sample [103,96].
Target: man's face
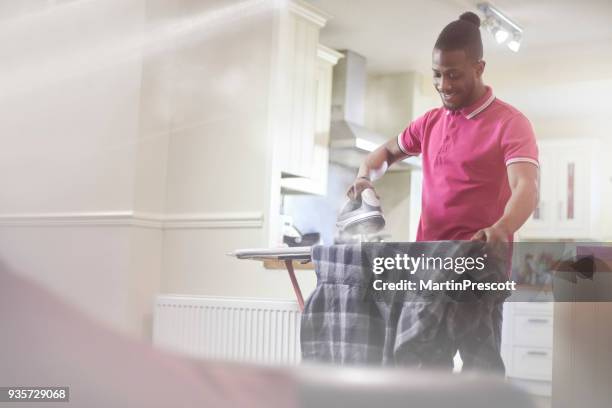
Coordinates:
[455,76]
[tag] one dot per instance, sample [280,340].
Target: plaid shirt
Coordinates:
[346,321]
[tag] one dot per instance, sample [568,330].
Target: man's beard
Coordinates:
[450,107]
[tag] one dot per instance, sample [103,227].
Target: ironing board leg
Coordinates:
[294,282]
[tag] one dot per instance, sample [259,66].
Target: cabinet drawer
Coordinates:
[532,363]
[533,307]
[533,330]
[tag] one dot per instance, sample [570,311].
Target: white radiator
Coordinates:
[246,330]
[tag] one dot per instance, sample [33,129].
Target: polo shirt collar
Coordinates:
[481,104]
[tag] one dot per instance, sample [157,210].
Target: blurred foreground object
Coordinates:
[46,342]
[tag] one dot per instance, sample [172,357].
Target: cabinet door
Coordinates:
[299,69]
[573,192]
[564,192]
[316,183]
[320,154]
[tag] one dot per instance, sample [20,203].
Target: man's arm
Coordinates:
[523,179]
[375,165]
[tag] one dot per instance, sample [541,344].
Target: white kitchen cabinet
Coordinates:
[316,182]
[563,210]
[527,345]
[295,79]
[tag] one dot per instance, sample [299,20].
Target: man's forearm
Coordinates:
[521,204]
[377,162]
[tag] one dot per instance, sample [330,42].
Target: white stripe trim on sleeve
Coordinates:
[400,143]
[522,159]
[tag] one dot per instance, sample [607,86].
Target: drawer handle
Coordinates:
[537,353]
[537,320]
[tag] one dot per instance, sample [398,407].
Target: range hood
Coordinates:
[350,140]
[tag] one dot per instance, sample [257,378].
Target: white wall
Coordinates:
[69,122]
[137,151]
[69,119]
[84,265]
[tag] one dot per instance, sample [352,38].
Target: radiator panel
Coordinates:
[257,331]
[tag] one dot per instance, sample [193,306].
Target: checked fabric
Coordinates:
[346,321]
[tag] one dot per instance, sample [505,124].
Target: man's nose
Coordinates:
[445,85]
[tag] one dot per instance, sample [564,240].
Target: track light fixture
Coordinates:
[501,26]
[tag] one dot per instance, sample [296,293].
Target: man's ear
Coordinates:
[480,66]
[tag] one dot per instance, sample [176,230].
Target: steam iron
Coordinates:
[362,216]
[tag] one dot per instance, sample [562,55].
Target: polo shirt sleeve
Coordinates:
[409,141]
[518,141]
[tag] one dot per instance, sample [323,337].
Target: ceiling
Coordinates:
[397,35]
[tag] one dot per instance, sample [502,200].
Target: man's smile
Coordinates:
[450,97]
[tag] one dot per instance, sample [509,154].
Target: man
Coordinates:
[480,159]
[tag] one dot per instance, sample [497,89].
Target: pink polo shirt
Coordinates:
[465,155]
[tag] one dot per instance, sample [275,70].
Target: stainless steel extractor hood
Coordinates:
[350,141]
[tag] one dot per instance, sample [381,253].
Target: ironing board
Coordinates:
[288,255]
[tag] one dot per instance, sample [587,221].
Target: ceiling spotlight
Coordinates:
[501,35]
[515,42]
[514,45]
[501,26]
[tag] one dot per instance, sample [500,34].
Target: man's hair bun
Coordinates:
[462,34]
[471,18]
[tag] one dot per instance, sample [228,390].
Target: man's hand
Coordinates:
[358,186]
[523,180]
[492,234]
[374,166]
